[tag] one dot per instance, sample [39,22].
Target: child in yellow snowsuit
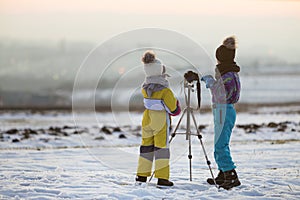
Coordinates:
[160,103]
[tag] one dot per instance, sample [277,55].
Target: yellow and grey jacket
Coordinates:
[163,99]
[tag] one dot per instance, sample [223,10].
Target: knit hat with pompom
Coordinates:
[152,65]
[226,52]
[155,68]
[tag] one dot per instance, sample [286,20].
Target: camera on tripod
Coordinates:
[190,77]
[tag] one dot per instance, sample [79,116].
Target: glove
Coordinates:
[177,111]
[209,80]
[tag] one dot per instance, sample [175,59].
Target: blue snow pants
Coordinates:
[224,120]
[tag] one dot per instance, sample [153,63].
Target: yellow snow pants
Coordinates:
[155,144]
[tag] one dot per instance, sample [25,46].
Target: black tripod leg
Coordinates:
[190,156]
[205,154]
[151,176]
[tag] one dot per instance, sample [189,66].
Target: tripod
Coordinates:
[189,111]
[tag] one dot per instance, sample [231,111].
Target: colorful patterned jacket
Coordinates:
[226,89]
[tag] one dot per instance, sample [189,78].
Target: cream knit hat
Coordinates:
[155,68]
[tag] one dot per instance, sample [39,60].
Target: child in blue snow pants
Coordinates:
[225,89]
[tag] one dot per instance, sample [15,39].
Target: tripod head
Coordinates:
[191,77]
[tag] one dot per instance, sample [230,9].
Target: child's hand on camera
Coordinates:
[209,80]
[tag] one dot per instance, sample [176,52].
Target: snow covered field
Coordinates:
[47,156]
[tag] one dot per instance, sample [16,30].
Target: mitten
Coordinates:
[209,80]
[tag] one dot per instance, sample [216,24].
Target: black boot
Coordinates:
[141,179]
[231,180]
[219,179]
[164,182]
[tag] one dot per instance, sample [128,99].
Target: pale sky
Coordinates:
[196,7]
[270,24]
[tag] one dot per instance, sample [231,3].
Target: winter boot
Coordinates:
[219,179]
[230,180]
[164,182]
[141,179]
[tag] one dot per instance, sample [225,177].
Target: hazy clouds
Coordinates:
[268,27]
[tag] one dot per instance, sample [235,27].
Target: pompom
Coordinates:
[148,57]
[230,42]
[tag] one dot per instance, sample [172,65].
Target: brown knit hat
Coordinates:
[226,52]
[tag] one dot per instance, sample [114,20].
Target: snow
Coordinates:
[77,166]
